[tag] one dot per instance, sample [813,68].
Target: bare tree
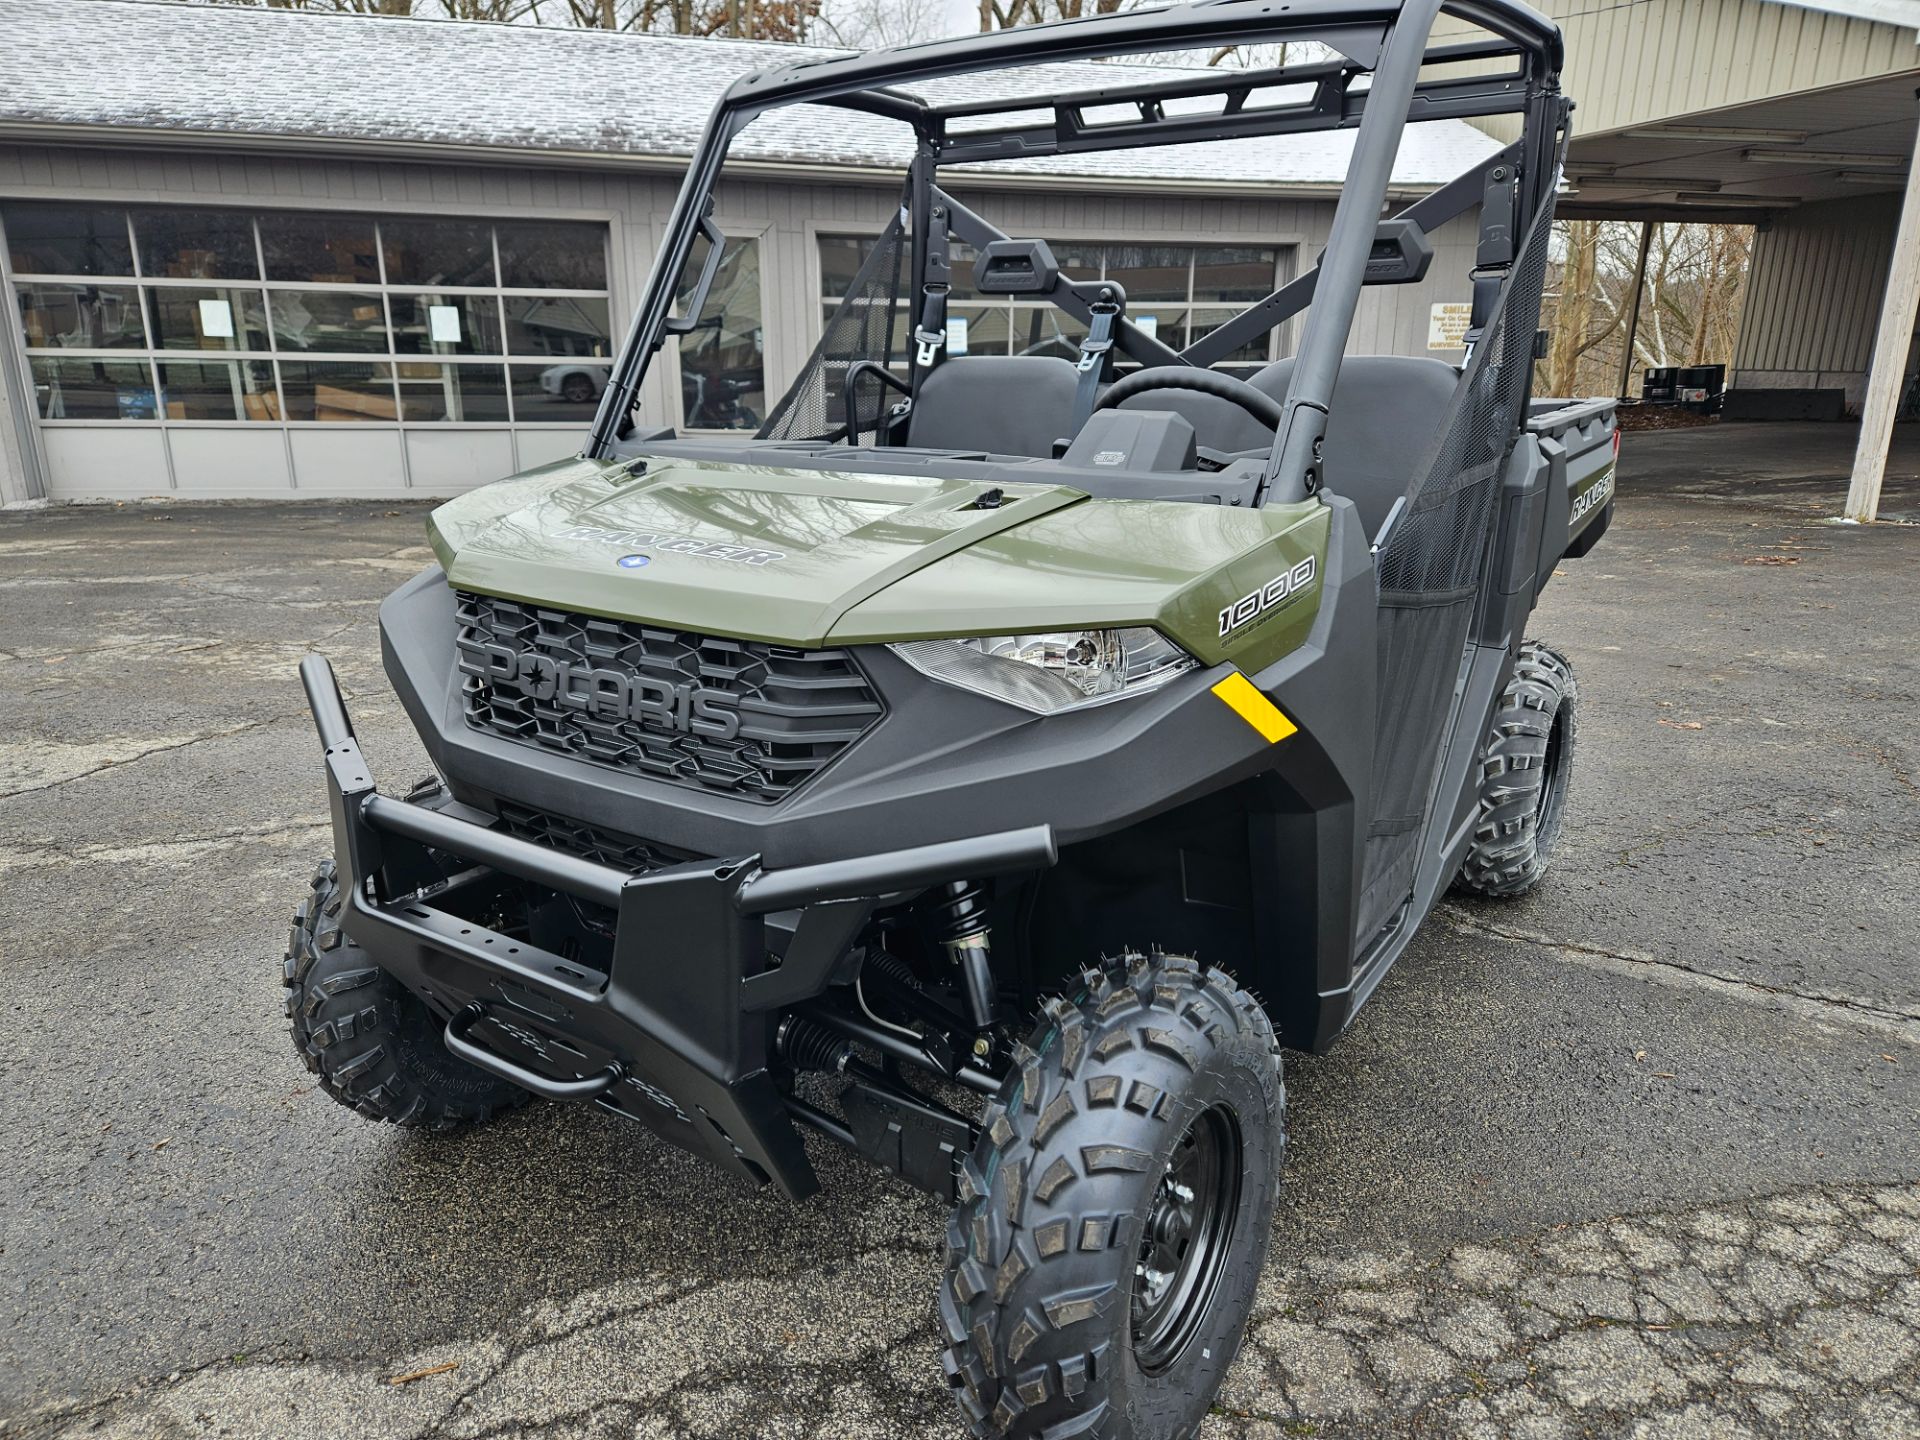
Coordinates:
[875,24]
[1573,331]
[1690,299]
[1006,14]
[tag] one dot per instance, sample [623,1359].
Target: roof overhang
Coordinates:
[1902,13]
[1747,162]
[627,162]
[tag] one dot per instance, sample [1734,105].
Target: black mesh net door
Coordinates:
[863,328]
[1429,574]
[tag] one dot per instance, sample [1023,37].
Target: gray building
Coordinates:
[307,253]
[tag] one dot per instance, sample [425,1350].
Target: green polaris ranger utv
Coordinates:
[994,761]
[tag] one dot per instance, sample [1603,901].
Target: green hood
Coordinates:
[810,557]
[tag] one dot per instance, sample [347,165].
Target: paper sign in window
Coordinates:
[956,334]
[216,319]
[443,324]
[1149,325]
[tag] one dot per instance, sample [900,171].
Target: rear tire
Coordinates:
[1113,1219]
[373,1043]
[1525,770]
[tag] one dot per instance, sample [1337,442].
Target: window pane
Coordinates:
[80,317]
[568,391]
[92,389]
[1078,259]
[550,256]
[902,334]
[988,329]
[1047,332]
[1228,273]
[722,362]
[66,239]
[1207,321]
[185,318]
[1150,272]
[438,252]
[343,391]
[1165,323]
[182,244]
[445,324]
[841,257]
[452,392]
[561,325]
[328,320]
[326,248]
[217,390]
[690,274]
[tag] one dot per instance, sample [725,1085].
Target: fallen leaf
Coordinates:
[1639,1054]
[431,1370]
[1771,560]
[162,1144]
[1663,1075]
[1683,724]
[1889,1059]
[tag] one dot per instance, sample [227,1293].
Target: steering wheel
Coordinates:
[1260,406]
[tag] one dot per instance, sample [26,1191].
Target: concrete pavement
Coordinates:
[1707,1021]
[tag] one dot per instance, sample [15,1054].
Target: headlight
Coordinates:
[1055,671]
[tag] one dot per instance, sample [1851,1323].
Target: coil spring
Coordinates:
[961,911]
[808,1045]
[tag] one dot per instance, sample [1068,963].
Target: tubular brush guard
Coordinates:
[678,1030]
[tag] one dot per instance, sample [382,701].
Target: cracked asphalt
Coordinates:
[1634,1156]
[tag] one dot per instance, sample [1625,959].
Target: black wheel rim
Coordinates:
[1546,814]
[1184,1242]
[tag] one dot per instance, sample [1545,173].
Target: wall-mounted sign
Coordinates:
[216,319]
[443,324]
[1447,326]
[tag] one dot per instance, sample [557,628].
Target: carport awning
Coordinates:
[1883,12]
[1739,163]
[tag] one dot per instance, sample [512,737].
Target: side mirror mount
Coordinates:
[1401,254]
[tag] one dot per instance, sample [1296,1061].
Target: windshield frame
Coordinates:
[1386,43]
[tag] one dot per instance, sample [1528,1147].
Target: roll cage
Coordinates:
[1372,83]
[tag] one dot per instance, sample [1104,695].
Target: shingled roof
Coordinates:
[159,71]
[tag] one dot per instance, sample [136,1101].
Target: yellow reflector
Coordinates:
[1254,708]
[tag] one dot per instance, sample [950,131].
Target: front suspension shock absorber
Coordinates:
[962,919]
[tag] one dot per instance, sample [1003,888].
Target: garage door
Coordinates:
[256,353]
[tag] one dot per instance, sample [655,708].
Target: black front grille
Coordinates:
[737,717]
[589,842]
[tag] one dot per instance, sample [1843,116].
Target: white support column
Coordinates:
[1890,347]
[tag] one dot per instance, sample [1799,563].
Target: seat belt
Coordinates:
[1095,346]
[1493,256]
[930,335]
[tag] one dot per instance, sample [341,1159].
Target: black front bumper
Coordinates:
[678,1031]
